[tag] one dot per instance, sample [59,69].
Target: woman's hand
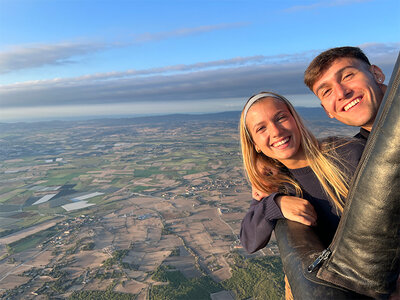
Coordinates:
[297,209]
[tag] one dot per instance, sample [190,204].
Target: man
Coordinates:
[349,87]
[351,90]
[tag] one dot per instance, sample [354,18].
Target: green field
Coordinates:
[33,240]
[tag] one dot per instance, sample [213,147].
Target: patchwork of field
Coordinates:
[101,205]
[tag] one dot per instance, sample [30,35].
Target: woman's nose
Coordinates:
[275,130]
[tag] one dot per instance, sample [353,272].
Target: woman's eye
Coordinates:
[282,118]
[260,128]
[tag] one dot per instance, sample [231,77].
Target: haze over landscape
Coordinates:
[119,207]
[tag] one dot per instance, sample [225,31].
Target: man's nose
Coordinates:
[341,91]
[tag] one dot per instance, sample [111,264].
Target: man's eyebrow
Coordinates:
[321,86]
[324,84]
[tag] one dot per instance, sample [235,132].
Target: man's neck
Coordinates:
[363,134]
[367,128]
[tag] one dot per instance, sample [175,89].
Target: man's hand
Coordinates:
[257,195]
[297,209]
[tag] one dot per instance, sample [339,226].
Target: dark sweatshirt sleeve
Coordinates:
[258,223]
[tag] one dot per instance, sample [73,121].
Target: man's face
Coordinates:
[351,91]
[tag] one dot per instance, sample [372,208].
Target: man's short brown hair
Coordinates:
[323,61]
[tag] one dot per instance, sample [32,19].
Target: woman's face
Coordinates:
[275,132]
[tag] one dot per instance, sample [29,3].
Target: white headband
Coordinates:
[254,99]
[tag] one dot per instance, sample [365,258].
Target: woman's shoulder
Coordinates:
[347,148]
[342,143]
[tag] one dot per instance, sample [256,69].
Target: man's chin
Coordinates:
[352,122]
[353,119]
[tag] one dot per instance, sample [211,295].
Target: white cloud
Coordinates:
[32,56]
[20,57]
[151,37]
[321,4]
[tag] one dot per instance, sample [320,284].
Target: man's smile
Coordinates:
[352,104]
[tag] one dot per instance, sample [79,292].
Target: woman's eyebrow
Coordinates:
[279,113]
[274,117]
[258,124]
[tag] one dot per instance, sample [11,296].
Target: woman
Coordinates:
[306,180]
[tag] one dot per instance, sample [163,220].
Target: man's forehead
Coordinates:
[337,66]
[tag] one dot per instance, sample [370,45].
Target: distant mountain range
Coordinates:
[308,113]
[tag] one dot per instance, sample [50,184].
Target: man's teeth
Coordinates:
[351,104]
[284,141]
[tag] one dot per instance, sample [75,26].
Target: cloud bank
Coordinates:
[223,79]
[201,87]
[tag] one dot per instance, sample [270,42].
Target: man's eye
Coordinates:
[348,76]
[326,93]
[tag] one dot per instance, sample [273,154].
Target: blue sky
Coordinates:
[94,58]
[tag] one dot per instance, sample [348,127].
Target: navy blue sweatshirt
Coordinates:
[259,221]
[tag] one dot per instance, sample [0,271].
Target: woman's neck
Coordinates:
[295,164]
[297,161]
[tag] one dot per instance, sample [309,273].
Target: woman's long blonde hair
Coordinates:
[320,157]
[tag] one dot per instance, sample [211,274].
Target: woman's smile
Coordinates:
[282,143]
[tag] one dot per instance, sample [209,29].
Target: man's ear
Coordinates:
[377,73]
[329,115]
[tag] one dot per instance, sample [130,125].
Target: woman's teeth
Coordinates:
[284,141]
[351,104]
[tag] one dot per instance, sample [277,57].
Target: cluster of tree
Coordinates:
[175,252]
[82,244]
[108,275]
[257,278]
[53,288]
[129,266]
[116,258]
[181,288]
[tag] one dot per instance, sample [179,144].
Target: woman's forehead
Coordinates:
[269,103]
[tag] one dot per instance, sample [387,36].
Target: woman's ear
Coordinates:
[257,148]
